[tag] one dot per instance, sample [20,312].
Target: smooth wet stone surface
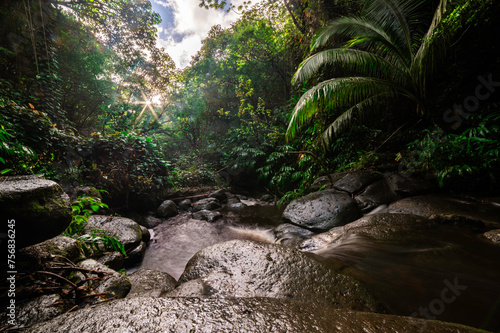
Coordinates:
[125,230]
[428,205]
[258,315]
[147,282]
[322,210]
[250,269]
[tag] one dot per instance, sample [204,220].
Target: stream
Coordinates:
[449,274]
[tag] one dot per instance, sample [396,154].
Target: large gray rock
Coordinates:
[206,204]
[354,182]
[185,205]
[250,269]
[147,282]
[168,208]
[257,315]
[151,222]
[114,284]
[378,226]
[322,210]
[40,208]
[406,186]
[34,311]
[428,205]
[207,215]
[34,257]
[113,260]
[125,230]
[219,195]
[374,195]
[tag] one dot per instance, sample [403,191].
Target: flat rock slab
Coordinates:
[40,208]
[428,205]
[258,315]
[249,269]
[322,210]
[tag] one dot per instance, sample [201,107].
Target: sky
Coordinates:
[184,25]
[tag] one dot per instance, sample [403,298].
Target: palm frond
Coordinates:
[360,110]
[354,28]
[337,94]
[359,62]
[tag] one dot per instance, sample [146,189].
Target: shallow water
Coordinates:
[179,238]
[409,276]
[449,275]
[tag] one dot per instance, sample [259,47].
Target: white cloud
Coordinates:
[191,25]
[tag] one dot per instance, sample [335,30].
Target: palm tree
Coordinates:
[392,53]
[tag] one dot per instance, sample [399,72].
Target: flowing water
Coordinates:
[450,274]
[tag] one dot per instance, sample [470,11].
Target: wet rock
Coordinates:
[236,205]
[34,311]
[267,198]
[322,210]
[428,205]
[35,256]
[406,186]
[185,205]
[125,230]
[114,284]
[151,222]
[259,315]
[36,204]
[146,235]
[378,226]
[287,228]
[323,181]
[136,255]
[493,236]
[374,195]
[250,269]
[354,182]
[206,204]
[168,208]
[207,215]
[113,260]
[219,195]
[232,199]
[147,282]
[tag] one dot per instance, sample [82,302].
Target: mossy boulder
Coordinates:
[39,207]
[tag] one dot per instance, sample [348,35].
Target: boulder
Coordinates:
[151,222]
[219,195]
[114,284]
[35,256]
[146,235]
[136,255]
[267,198]
[125,230]
[33,311]
[428,205]
[38,208]
[113,260]
[288,228]
[207,215]
[406,186]
[168,208]
[355,181]
[374,195]
[378,226]
[147,282]
[249,269]
[206,204]
[259,315]
[185,205]
[322,210]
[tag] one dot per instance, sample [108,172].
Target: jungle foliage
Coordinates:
[292,90]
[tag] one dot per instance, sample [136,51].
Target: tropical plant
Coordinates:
[392,53]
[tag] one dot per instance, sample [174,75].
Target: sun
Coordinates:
[149,105]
